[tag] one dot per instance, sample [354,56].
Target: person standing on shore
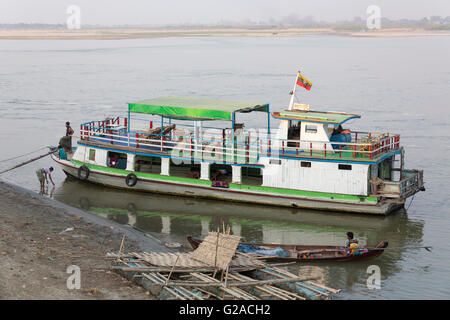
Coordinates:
[42,174]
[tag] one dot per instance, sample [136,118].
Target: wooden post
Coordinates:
[217,247]
[121,245]
[248,148]
[310,148]
[226,275]
[173,267]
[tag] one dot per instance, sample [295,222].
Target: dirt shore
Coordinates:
[35,251]
[145,33]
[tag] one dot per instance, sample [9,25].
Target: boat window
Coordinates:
[185,170]
[92,154]
[311,129]
[305,164]
[294,131]
[220,172]
[345,167]
[117,160]
[147,164]
[275,161]
[251,176]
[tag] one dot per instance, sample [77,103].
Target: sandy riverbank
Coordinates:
[143,33]
[34,254]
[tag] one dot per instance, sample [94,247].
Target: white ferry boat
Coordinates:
[308,162]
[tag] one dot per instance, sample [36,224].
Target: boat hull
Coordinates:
[116,180]
[328,253]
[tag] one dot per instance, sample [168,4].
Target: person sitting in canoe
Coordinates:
[352,243]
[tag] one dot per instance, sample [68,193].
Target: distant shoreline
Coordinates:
[147,33]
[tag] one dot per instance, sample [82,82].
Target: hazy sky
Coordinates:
[164,12]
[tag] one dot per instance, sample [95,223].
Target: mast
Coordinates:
[291,103]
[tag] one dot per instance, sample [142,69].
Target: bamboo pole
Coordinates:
[121,246]
[173,267]
[28,161]
[239,284]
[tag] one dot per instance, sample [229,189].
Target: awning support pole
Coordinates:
[129,119]
[162,127]
[233,120]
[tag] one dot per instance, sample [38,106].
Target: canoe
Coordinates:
[286,252]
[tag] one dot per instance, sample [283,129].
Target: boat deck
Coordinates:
[216,144]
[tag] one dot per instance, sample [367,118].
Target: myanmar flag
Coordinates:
[301,81]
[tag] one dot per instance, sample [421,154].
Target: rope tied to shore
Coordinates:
[23,155]
[52,150]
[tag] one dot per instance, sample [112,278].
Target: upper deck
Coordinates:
[303,134]
[232,145]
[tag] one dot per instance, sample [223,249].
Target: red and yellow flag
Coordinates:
[301,81]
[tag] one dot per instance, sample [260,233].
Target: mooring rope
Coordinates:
[410,202]
[23,155]
[29,161]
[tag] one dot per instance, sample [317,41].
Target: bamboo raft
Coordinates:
[214,271]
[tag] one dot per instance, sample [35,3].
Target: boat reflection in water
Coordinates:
[172,218]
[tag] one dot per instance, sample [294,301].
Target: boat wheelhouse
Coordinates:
[308,162]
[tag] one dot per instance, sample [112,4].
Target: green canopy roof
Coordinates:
[194,108]
[315,116]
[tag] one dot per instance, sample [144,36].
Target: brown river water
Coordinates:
[398,85]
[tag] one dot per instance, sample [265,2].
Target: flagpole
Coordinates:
[291,103]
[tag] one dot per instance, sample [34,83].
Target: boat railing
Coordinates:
[411,182]
[248,146]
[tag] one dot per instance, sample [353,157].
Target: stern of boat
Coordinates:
[411,182]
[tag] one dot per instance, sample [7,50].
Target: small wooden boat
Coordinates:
[286,252]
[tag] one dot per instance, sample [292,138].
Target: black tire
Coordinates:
[83,172]
[131,180]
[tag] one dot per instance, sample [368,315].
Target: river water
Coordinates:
[398,85]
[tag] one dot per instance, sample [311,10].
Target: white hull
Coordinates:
[157,186]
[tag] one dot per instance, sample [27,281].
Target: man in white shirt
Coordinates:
[42,174]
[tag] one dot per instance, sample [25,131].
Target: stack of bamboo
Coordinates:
[194,276]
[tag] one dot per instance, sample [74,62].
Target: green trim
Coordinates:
[194,108]
[315,116]
[312,195]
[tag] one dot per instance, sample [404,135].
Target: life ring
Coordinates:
[83,172]
[131,180]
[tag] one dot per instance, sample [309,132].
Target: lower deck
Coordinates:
[184,186]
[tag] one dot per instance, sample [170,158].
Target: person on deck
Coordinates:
[66,141]
[42,174]
[340,135]
[69,130]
